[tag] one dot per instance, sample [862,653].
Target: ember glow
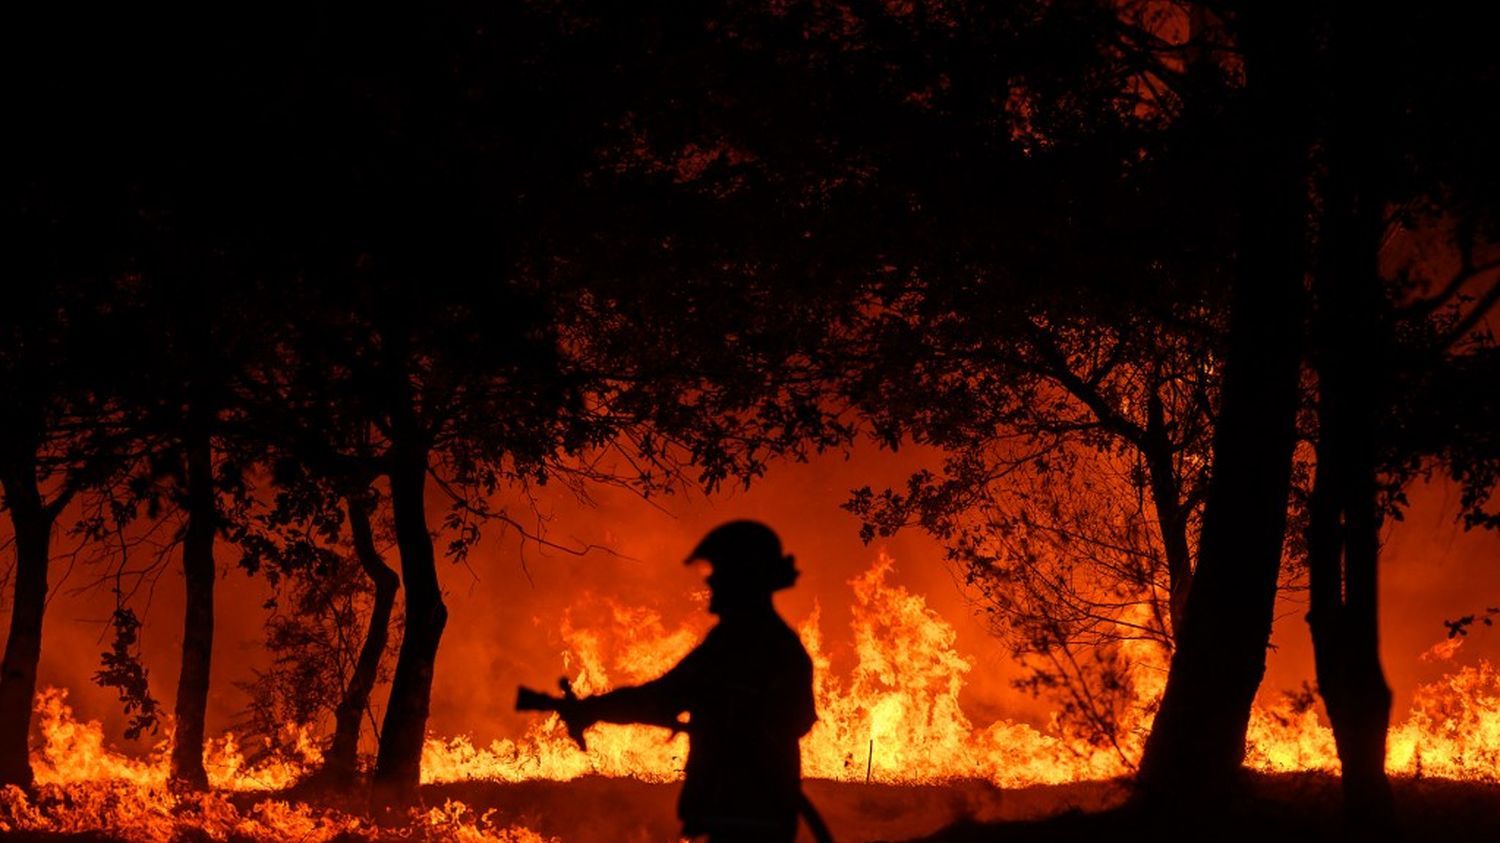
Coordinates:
[893,716]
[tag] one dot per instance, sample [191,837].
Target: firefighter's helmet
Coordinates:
[746,554]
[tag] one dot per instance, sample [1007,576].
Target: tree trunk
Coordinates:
[1171,515]
[198,571]
[1343,618]
[32,522]
[1197,743]
[340,763]
[1361,719]
[398,762]
[1353,362]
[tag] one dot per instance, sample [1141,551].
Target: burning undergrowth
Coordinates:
[125,810]
[891,720]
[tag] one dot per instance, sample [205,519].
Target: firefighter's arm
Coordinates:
[650,704]
[655,703]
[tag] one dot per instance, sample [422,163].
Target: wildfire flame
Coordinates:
[893,717]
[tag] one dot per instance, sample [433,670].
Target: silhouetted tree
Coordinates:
[340,760]
[200,342]
[60,430]
[1397,166]
[57,438]
[1071,500]
[1198,738]
[316,540]
[332,581]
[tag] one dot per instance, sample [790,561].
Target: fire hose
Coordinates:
[813,819]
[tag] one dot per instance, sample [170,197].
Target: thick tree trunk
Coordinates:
[1343,532]
[1343,557]
[398,762]
[198,571]
[1343,621]
[32,522]
[1193,755]
[339,764]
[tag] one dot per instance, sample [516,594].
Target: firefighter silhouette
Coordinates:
[747,692]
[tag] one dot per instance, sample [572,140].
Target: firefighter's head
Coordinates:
[747,565]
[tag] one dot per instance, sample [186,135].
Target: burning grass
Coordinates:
[119,811]
[597,809]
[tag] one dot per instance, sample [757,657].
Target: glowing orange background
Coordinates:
[504,624]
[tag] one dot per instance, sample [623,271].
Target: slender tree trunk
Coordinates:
[32,523]
[398,762]
[1343,531]
[1171,515]
[198,617]
[1361,726]
[340,762]
[1193,755]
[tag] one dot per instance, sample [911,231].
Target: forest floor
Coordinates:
[1281,808]
[1275,809]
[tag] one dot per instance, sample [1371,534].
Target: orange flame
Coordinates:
[83,786]
[894,716]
